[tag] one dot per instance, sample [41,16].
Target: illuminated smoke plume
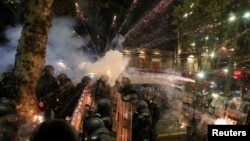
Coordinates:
[8,50]
[117,42]
[65,52]
[112,65]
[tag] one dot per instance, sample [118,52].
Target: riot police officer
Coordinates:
[6,107]
[141,122]
[102,88]
[103,111]
[8,128]
[96,130]
[127,91]
[8,85]
[154,112]
[53,130]
[66,91]
[46,90]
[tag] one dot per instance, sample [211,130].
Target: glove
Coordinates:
[41,104]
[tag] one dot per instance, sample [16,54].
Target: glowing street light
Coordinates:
[246,15]
[212,55]
[193,44]
[201,74]
[225,70]
[206,38]
[232,17]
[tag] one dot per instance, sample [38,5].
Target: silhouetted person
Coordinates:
[84,84]
[7,106]
[127,91]
[103,111]
[141,122]
[54,130]
[154,113]
[8,85]
[46,91]
[8,120]
[66,91]
[96,130]
[102,88]
[72,102]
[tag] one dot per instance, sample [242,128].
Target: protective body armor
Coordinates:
[107,120]
[96,130]
[101,134]
[141,122]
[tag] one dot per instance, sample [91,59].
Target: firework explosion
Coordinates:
[147,22]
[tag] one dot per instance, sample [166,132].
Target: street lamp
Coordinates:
[246,15]
[212,54]
[232,17]
[201,75]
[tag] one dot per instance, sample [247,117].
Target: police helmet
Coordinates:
[8,101]
[93,124]
[85,79]
[54,129]
[48,69]
[62,77]
[9,77]
[141,105]
[6,110]
[103,104]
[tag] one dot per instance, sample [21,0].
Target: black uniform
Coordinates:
[155,116]
[102,89]
[67,91]
[8,128]
[141,122]
[127,91]
[96,130]
[54,130]
[8,86]
[47,89]
[103,111]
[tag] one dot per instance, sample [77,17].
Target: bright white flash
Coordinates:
[201,75]
[62,65]
[38,118]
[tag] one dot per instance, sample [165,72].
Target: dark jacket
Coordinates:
[141,126]
[8,86]
[101,134]
[47,89]
[66,92]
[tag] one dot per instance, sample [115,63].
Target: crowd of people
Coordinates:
[57,98]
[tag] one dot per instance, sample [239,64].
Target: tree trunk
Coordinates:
[31,55]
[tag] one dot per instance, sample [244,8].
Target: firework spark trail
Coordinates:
[129,13]
[171,78]
[154,33]
[163,4]
[156,41]
[79,13]
[81,18]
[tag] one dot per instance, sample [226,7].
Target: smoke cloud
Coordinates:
[65,52]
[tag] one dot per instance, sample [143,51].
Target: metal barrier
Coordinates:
[122,115]
[123,112]
[78,115]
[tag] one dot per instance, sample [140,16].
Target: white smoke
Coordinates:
[111,65]
[8,50]
[117,42]
[65,52]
